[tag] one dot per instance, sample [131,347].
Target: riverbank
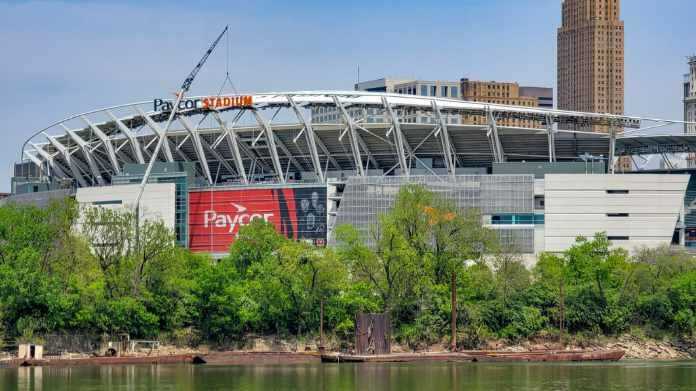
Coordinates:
[635,348]
[272,350]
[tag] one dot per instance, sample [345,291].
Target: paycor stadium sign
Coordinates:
[205,103]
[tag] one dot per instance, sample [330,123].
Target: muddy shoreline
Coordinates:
[275,351]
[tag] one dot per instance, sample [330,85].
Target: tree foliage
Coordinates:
[101,271]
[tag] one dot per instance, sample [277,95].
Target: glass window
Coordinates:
[424,90]
[455,92]
[443,91]
[433,90]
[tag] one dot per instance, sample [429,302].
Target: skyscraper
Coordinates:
[690,97]
[591,57]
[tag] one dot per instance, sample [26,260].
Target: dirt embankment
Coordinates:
[635,348]
[275,350]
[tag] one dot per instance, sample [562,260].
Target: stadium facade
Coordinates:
[227,160]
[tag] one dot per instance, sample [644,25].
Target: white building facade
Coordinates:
[157,203]
[634,210]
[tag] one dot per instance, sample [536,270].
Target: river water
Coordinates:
[625,375]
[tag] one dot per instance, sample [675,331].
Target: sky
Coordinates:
[61,58]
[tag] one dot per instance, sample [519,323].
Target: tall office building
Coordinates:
[690,97]
[591,60]
[591,57]
[690,106]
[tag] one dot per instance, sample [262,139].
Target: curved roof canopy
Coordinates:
[267,137]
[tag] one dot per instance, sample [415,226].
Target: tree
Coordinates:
[124,246]
[421,244]
[457,237]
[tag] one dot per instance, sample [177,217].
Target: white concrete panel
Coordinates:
[538,187]
[660,182]
[158,201]
[580,204]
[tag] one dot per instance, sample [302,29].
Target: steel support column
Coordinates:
[612,148]
[493,138]
[198,147]
[35,160]
[77,174]
[218,156]
[444,139]
[233,144]
[106,141]
[270,144]
[135,144]
[160,134]
[50,160]
[354,145]
[551,132]
[310,139]
[398,137]
[287,153]
[84,147]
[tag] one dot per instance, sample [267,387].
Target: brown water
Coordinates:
[633,376]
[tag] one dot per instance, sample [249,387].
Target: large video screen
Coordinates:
[215,216]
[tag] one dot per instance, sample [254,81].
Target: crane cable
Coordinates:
[227,67]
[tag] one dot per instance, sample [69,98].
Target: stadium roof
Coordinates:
[245,138]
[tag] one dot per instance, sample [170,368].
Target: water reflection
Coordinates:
[633,376]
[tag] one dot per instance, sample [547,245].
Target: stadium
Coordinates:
[226,160]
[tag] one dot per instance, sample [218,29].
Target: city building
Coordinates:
[690,97]
[536,188]
[384,84]
[505,93]
[544,95]
[434,88]
[329,114]
[690,106]
[591,57]
[591,61]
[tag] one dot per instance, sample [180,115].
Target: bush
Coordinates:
[655,310]
[526,322]
[685,322]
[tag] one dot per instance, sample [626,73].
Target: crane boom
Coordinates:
[163,138]
[187,83]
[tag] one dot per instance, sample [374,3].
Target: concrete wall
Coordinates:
[158,201]
[582,205]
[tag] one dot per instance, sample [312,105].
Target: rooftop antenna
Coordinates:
[179,97]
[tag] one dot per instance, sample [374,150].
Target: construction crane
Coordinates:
[185,86]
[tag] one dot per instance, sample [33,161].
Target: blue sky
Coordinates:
[62,58]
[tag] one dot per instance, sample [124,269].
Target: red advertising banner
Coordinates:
[215,216]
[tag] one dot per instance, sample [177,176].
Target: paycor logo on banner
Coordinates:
[224,220]
[216,216]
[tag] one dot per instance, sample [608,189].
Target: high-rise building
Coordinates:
[591,57]
[591,60]
[690,106]
[505,93]
[690,97]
